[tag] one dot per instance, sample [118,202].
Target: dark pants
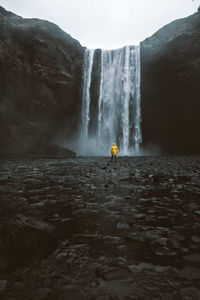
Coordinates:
[113,157]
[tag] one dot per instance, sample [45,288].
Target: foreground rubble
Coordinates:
[88,229]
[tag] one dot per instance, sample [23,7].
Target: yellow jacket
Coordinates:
[114,149]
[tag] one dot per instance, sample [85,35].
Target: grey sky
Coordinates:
[105,24]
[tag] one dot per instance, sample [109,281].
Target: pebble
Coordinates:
[190,293]
[163,241]
[195,239]
[68,294]
[122,226]
[189,273]
[145,266]
[194,258]
[65,220]
[93,284]
[139,216]
[41,293]
[3,284]
[166,252]
[117,274]
[3,180]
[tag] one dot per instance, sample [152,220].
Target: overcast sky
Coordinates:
[105,24]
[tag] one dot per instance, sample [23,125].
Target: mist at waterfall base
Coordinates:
[115,115]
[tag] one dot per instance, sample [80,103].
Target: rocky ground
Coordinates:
[84,228]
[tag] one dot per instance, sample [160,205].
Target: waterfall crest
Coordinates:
[117,118]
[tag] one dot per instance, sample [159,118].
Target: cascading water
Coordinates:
[117,117]
[88,62]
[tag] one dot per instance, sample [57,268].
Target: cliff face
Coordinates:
[170,87]
[40,81]
[40,85]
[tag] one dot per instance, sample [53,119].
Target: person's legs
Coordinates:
[112,158]
[115,156]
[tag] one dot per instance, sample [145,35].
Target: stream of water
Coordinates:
[118,113]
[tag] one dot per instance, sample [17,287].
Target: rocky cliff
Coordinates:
[40,80]
[40,85]
[170,87]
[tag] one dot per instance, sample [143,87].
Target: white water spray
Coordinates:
[87,69]
[118,117]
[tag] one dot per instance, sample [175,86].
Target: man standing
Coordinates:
[114,150]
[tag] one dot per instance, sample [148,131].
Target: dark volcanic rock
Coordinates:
[45,150]
[40,79]
[94,90]
[65,233]
[170,87]
[24,237]
[40,85]
[53,150]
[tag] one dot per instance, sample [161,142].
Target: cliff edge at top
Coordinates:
[170,88]
[40,78]
[40,85]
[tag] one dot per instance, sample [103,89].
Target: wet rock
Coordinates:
[3,284]
[19,286]
[67,292]
[139,216]
[166,252]
[3,180]
[88,236]
[25,236]
[145,266]
[190,293]
[194,258]
[191,206]
[197,212]
[175,239]
[89,246]
[102,297]
[122,248]
[65,220]
[55,218]
[93,284]
[122,226]
[189,273]
[195,239]
[163,218]
[184,250]
[41,294]
[117,274]
[175,242]
[163,241]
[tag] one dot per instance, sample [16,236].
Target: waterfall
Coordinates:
[117,118]
[87,71]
